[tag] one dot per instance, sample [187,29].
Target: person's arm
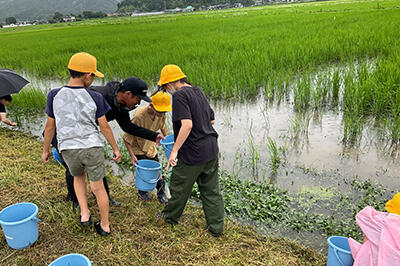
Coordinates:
[49,130]
[183,133]
[130,151]
[107,133]
[127,126]
[6,121]
[212,115]
[164,131]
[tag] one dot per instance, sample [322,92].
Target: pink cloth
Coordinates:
[383,233]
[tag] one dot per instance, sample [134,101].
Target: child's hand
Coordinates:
[159,138]
[134,160]
[172,159]
[117,156]
[46,156]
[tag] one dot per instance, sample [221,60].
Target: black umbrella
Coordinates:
[10,82]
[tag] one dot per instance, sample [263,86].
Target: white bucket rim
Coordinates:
[23,220]
[147,168]
[71,254]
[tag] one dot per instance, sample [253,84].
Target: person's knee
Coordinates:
[97,186]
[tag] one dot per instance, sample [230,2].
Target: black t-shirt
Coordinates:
[201,145]
[2,108]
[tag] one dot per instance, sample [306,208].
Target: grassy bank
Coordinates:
[138,238]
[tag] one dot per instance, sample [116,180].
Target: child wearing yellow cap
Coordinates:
[76,110]
[194,157]
[151,117]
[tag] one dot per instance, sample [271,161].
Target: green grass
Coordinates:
[137,237]
[229,54]
[286,50]
[29,99]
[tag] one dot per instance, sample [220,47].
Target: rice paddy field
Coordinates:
[306,96]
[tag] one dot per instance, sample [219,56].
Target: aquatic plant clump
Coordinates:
[332,213]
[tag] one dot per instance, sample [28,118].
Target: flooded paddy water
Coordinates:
[301,153]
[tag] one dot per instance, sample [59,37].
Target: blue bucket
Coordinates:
[147,174]
[20,224]
[168,144]
[56,156]
[339,253]
[72,259]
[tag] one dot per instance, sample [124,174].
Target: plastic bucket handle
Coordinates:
[35,219]
[336,249]
[149,181]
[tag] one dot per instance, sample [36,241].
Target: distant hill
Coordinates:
[45,9]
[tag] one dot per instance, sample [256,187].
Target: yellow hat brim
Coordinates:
[163,108]
[99,74]
[163,82]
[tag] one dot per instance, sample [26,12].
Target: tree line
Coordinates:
[158,5]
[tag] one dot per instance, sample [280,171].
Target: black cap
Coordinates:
[137,86]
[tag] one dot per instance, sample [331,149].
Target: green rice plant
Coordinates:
[299,125]
[335,87]
[29,99]
[264,112]
[254,157]
[270,47]
[319,93]
[274,155]
[302,93]
[294,128]
[276,50]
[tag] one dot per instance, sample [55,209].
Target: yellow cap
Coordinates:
[84,63]
[161,102]
[170,73]
[393,205]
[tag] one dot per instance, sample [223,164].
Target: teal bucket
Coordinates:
[168,144]
[20,224]
[147,174]
[72,259]
[339,253]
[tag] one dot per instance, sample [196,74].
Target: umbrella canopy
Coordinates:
[10,82]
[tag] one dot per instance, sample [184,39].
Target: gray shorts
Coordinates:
[91,160]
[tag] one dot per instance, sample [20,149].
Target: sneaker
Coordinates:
[216,234]
[100,230]
[162,198]
[114,202]
[144,195]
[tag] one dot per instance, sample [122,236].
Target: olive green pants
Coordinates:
[182,181]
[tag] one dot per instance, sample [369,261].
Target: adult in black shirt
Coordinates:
[122,98]
[4,100]
[194,156]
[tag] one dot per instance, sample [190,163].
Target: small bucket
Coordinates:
[56,156]
[147,174]
[168,144]
[20,224]
[72,259]
[339,253]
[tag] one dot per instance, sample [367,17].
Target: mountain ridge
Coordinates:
[30,10]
